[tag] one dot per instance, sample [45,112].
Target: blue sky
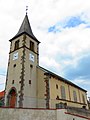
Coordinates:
[63,30]
[69,22]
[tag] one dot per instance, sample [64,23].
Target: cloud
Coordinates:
[2,82]
[53,29]
[74,21]
[50,63]
[88,95]
[68,22]
[65,48]
[80,70]
[55,11]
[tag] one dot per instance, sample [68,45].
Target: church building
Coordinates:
[29,85]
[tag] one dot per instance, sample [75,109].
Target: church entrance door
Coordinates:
[12,98]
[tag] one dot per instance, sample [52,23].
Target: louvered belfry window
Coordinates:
[16,45]
[31,45]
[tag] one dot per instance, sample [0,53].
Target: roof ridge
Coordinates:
[59,77]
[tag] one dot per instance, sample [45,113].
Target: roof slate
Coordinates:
[2,94]
[25,28]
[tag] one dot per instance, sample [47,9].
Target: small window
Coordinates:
[57,97]
[31,45]
[12,81]
[74,96]
[56,86]
[31,66]
[16,45]
[14,65]
[63,94]
[19,81]
[29,81]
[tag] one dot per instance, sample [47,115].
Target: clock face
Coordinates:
[15,56]
[31,57]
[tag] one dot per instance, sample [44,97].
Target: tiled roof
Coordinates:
[2,94]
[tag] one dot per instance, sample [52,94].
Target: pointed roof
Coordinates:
[25,29]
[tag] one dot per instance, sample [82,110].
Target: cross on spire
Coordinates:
[26,9]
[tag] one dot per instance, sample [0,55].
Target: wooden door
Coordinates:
[12,99]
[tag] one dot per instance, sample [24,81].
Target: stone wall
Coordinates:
[79,111]
[39,114]
[27,114]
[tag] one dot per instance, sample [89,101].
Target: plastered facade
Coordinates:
[54,92]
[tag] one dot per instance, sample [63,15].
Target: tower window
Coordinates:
[31,45]
[56,86]
[16,45]
[31,66]
[14,65]
[12,81]
[29,81]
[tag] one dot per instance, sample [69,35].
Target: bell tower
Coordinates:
[21,81]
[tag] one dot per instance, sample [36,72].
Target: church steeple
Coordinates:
[25,28]
[21,85]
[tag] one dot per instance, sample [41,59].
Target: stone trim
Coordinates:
[77,115]
[69,92]
[23,47]
[22,74]
[47,94]
[37,54]
[71,101]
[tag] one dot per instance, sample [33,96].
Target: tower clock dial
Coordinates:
[15,56]
[31,57]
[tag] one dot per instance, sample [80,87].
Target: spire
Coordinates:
[25,29]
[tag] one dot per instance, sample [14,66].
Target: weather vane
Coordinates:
[26,9]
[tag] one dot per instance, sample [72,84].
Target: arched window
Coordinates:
[56,86]
[31,45]
[63,94]
[74,96]
[16,45]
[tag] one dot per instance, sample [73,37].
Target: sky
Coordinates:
[62,27]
